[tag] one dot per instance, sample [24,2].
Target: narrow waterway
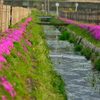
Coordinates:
[82,83]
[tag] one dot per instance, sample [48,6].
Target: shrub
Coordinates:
[10,26]
[72,39]
[87,52]
[64,36]
[78,47]
[60,28]
[97,64]
[97,53]
[44,19]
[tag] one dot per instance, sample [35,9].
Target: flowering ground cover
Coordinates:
[26,71]
[89,32]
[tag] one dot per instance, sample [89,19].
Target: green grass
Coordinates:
[65,35]
[97,64]
[53,20]
[35,77]
[79,32]
[78,47]
[84,34]
[89,54]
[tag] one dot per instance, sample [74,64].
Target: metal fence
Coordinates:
[82,16]
[11,14]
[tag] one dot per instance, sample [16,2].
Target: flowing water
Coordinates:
[82,83]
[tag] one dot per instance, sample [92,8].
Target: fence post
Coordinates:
[92,15]
[97,18]
[10,15]
[77,16]
[6,19]
[70,15]
[0,17]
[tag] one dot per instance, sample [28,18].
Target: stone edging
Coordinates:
[84,42]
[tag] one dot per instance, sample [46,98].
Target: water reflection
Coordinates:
[82,83]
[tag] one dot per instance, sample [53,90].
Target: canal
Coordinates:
[82,83]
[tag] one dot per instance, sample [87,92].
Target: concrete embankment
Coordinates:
[95,55]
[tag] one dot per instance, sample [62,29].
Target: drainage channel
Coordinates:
[82,83]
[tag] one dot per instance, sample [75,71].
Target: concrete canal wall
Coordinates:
[86,44]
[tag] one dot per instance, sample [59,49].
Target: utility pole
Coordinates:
[45,6]
[28,6]
[76,4]
[57,4]
[48,6]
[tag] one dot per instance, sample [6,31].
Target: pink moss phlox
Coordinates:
[27,42]
[24,58]
[24,47]
[29,19]
[14,84]
[25,31]
[2,59]
[69,21]
[19,54]
[6,67]
[29,34]
[6,43]
[34,21]
[1,66]
[8,87]
[32,24]
[3,98]
[57,17]
[24,24]
[93,29]
[2,33]
[7,31]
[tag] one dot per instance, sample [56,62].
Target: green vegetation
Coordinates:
[97,64]
[65,35]
[87,52]
[79,32]
[73,39]
[78,47]
[83,33]
[54,20]
[32,74]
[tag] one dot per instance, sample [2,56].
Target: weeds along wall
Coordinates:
[86,48]
[10,15]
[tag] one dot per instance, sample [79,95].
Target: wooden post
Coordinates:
[48,6]
[11,15]
[0,17]
[85,16]
[97,18]
[6,18]
[45,6]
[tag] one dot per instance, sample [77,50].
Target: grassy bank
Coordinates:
[26,71]
[79,31]
[85,34]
